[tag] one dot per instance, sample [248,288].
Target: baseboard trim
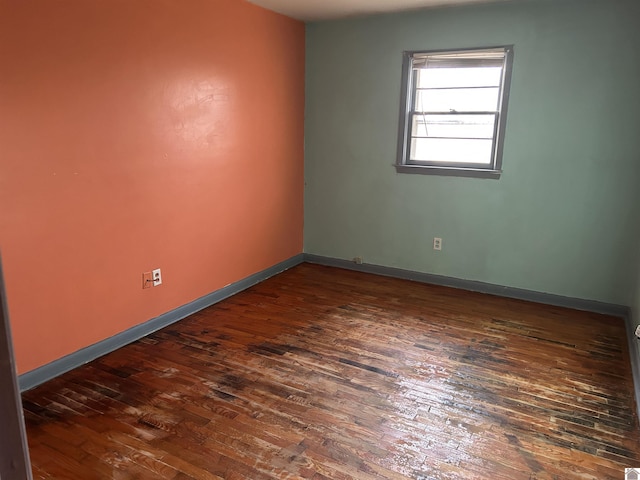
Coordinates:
[51,370]
[474,286]
[634,353]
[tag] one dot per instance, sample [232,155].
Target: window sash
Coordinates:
[417,116]
[463,155]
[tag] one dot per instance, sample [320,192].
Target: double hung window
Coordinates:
[453,112]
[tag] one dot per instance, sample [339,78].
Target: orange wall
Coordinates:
[141,134]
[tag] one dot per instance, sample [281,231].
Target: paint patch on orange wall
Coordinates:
[138,135]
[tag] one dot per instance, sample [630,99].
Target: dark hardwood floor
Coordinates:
[322,373]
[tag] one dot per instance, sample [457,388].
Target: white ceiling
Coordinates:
[309,10]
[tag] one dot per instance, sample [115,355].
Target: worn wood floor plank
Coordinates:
[321,373]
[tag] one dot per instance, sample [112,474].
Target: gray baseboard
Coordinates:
[474,286]
[51,370]
[57,367]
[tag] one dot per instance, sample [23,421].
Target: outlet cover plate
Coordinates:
[157,277]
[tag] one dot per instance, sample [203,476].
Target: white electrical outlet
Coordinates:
[638,331]
[437,243]
[157,277]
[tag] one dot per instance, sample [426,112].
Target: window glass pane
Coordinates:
[459,99]
[451,151]
[454,126]
[459,77]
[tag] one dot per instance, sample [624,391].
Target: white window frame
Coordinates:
[467,57]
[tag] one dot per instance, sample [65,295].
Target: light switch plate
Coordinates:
[147,280]
[638,331]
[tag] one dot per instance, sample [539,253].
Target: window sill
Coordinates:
[449,171]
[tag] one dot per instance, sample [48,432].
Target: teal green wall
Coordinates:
[636,301]
[634,349]
[563,217]
[635,305]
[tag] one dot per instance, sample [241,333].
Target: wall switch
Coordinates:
[437,243]
[147,280]
[638,331]
[157,277]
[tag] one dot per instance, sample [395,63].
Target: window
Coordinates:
[453,112]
